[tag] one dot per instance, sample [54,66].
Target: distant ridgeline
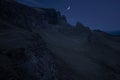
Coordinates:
[114,33]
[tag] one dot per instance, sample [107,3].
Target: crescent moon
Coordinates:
[68,8]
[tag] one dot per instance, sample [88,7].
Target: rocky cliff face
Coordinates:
[39,44]
[12,11]
[23,53]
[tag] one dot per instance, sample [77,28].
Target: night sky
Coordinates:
[96,14]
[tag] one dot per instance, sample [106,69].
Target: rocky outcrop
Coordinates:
[17,14]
